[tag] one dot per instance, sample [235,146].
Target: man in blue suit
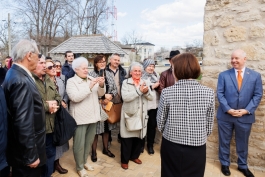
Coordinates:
[239,92]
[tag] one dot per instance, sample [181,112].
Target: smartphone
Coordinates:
[101,72]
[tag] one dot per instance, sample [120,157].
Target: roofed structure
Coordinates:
[93,44]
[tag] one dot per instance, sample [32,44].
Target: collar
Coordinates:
[187,82]
[26,69]
[81,80]
[130,81]
[243,70]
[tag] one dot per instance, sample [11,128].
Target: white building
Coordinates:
[144,50]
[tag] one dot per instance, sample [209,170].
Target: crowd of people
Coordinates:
[35,87]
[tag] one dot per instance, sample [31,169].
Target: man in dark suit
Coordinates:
[26,118]
[239,92]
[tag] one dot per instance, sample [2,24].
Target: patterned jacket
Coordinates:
[186,113]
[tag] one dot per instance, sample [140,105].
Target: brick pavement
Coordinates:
[110,167]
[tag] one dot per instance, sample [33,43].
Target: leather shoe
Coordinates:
[59,168]
[94,157]
[150,150]
[124,166]
[138,161]
[108,153]
[246,172]
[225,170]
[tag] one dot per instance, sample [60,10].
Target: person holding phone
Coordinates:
[103,128]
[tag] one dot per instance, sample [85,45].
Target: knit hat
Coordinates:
[148,62]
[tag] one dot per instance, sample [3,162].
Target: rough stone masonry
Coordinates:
[229,25]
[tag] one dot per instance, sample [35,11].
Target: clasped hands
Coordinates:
[237,112]
[99,80]
[53,106]
[143,88]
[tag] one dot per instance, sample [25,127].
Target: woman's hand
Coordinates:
[108,96]
[64,104]
[101,81]
[143,88]
[155,85]
[92,83]
[105,101]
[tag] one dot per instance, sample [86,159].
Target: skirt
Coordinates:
[182,160]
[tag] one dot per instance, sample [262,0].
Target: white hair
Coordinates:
[23,47]
[131,67]
[78,62]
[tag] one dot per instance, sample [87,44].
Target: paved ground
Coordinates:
[110,167]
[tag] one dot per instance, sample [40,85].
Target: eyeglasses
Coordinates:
[102,62]
[50,67]
[58,66]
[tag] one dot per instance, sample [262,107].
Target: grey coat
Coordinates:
[60,80]
[134,100]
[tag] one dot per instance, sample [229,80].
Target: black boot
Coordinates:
[58,167]
[94,156]
[150,149]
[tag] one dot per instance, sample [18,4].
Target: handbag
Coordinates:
[114,113]
[64,127]
[133,122]
[103,115]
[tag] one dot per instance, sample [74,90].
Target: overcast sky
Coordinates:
[165,23]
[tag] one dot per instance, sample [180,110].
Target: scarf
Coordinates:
[136,81]
[153,76]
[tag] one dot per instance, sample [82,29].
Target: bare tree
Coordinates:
[89,15]
[42,19]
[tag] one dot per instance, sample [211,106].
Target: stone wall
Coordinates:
[229,25]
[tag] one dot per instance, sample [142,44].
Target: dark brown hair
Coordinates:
[186,66]
[97,59]
[65,54]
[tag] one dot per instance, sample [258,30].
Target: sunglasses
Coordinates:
[50,67]
[58,66]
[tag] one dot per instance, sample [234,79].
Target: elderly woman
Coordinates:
[103,128]
[51,72]
[135,94]
[150,74]
[185,118]
[83,92]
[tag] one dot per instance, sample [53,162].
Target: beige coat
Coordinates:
[84,105]
[134,100]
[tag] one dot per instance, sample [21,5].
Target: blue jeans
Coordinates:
[47,169]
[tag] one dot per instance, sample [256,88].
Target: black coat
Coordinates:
[3,129]
[26,121]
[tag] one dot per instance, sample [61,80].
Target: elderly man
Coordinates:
[26,119]
[239,92]
[51,99]
[119,74]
